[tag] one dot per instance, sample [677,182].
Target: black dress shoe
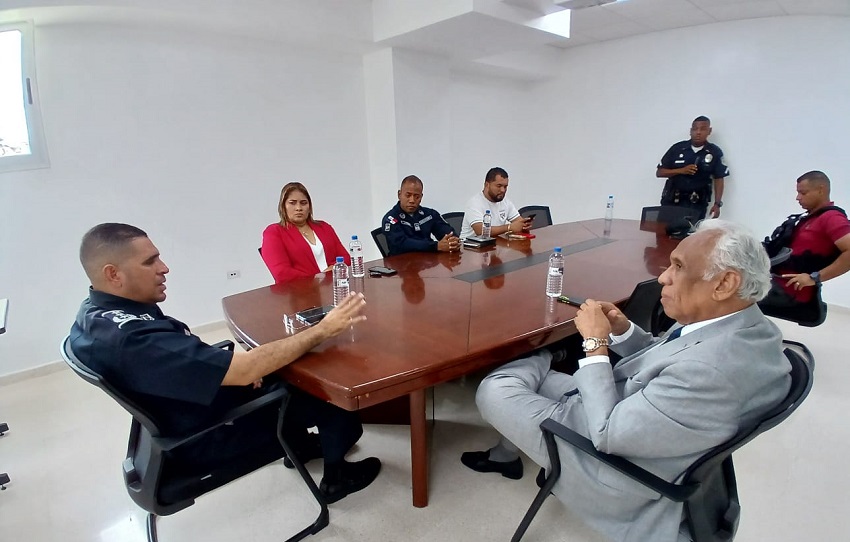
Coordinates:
[481,462]
[347,478]
[307,451]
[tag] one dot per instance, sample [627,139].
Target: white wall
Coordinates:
[491,126]
[188,136]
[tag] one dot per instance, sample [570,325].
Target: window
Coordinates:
[22,144]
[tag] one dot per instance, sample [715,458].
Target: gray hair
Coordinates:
[736,248]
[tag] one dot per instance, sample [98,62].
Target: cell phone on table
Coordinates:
[575,301]
[313,315]
[380,271]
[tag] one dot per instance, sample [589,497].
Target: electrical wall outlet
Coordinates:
[233,274]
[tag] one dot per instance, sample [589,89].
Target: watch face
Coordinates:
[592,343]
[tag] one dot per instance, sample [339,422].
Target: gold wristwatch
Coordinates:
[592,343]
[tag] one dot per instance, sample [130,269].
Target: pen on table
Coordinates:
[568,301]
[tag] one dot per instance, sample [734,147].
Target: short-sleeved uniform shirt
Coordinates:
[814,241]
[709,162]
[155,360]
[412,232]
[502,212]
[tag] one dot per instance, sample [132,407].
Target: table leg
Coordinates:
[419,449]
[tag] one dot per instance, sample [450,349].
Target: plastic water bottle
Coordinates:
[609,216]
[555,278]
[485,229]
[340,280]
[356,251]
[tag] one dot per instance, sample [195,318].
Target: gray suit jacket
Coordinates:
[662,407]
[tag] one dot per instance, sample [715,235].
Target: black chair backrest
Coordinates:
[95,379]
[455,220]
[380,239]
[809,314]
[802,373]
[542,215]
[713,511]
[644,308]
[665,214]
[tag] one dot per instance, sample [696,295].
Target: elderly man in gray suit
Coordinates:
[667,402]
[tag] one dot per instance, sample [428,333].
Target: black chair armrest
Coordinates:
[780,257]
[674,492]
[276,395]
[226,345]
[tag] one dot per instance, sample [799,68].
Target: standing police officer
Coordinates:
[690,167]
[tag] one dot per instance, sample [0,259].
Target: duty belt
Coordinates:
[694,197]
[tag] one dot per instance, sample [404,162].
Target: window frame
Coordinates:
[38,157]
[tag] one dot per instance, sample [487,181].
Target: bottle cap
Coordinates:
[487,212]
[557,250]
[340,259]
[354,238]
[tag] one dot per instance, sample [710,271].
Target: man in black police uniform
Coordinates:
[409,226]
[690,168]
[121,333]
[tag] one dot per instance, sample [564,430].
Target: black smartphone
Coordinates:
[572,300]
[531,216]
[313,315]
[383,271]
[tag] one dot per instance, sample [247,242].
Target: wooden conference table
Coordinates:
[448,314]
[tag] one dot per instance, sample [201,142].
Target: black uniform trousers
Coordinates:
[256,433]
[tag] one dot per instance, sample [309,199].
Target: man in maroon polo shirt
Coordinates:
[820,246]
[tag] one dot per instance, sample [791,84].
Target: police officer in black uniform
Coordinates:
[409,226]
[690,168]
[121,333]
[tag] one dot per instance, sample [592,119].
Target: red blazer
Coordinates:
[289,256]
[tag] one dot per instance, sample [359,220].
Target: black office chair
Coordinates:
[780,257]
[644,308]
[381,240]
[811,314]
[667,214]
[161,491]
[708,488]
[455,220]
[542,215]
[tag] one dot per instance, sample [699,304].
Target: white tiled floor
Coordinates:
[67,440]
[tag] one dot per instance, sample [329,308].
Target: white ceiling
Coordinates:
[632,17]
[504,37]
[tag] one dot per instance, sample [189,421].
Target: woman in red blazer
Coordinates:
[299,246]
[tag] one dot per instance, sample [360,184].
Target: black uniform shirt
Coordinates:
[155,360]
[709,162]
[412,233]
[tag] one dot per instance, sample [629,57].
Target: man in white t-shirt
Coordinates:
[505,217]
